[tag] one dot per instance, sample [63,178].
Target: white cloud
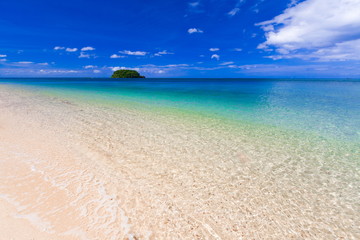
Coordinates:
[87,49]
[195,7]
[84,55]
[194,4]
[233,12]
[25,62]
[164,52]
[49,71]
[176,65]
[214,49]
[320,28]
[71,49]
[237,49]
[3,55]
[117,68]
[237,7]
[90,66]
[59,48]
[293,3]
[117,56]
[226,63]
[2,60]
[348,50]
[195,30]
[97,71]
[134,53]
[215,56]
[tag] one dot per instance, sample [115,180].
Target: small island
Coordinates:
[126,74]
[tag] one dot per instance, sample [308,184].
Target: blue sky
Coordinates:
[204,38]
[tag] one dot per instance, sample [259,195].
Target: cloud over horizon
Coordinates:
[193,38]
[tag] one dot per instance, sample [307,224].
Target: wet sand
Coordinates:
[75,170]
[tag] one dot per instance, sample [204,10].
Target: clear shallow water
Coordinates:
[329,108]
[269,158]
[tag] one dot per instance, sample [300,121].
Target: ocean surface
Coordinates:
[325,107]
[205,158]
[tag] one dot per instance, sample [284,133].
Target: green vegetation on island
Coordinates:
[126,74]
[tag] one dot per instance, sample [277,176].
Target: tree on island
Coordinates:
[126,74]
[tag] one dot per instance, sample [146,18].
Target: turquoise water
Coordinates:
[329,108]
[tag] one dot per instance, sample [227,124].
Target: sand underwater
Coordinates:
[179,159]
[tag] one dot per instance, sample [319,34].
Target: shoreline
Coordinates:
[167,179]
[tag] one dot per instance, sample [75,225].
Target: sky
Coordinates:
[198,38]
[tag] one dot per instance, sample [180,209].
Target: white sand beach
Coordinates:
[71,170]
